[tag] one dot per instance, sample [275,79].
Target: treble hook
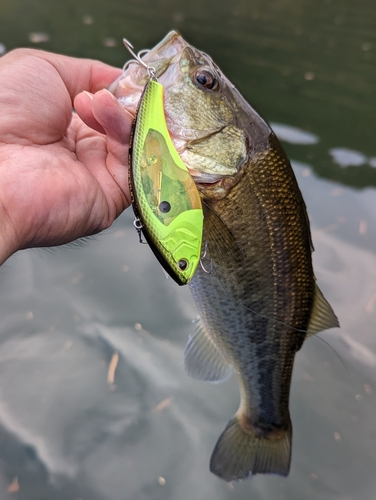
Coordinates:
[137,59]
[203,257]
[138,226]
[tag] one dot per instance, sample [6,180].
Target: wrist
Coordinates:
[9,237]
[8,240]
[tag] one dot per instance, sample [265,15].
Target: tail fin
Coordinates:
[239,454]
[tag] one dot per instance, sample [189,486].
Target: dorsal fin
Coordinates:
[322,316]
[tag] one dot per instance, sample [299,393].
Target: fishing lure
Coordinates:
[165,199]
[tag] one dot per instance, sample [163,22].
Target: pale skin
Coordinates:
[62,175]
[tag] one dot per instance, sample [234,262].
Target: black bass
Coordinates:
[255,289]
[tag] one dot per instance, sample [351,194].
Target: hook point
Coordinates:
[127,43]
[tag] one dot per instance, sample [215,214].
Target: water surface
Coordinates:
[69,433]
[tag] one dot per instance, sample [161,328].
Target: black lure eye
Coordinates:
[164,207]
[205,79]
[183,264]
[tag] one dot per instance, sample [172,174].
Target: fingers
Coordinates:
[103,113]
[117,124]
[42,86]
[81,74]
[83,106]
[77,74]
[116,121]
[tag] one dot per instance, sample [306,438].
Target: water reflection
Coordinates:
[39,37]
[347,157]
[293,135]
[62,420]
[66,432]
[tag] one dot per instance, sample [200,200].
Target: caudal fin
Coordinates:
[239,454]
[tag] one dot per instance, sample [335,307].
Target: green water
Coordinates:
[67,434]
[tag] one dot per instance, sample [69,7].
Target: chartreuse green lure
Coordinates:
[165,199]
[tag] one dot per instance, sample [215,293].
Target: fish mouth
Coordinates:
[205,186]
[165,51]
[203,178]
[182,134]
[163,58]
[207,182]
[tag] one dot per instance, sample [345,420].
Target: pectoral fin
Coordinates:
[322,316]
[203,359]
[225,243]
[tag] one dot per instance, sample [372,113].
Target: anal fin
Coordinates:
[203,359]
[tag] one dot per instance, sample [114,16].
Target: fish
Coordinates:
[255,287]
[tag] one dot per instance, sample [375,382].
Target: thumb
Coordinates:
[103,112]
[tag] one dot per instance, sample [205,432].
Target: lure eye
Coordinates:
[183,264]
[164,207]
[152,159]
[205,79]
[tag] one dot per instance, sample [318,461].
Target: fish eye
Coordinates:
[205,79]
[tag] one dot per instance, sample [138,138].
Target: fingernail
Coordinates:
[111,94]
[90,96]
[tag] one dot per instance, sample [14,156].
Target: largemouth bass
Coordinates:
[255,289]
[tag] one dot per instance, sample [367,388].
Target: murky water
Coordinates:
[72,429]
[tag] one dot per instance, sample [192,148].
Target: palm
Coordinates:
[63,179]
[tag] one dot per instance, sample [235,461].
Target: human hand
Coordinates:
[61,178]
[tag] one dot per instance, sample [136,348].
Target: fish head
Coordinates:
[207,118]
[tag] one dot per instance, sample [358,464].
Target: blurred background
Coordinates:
[94,401]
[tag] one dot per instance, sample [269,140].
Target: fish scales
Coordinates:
[255,291]
[252,324]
